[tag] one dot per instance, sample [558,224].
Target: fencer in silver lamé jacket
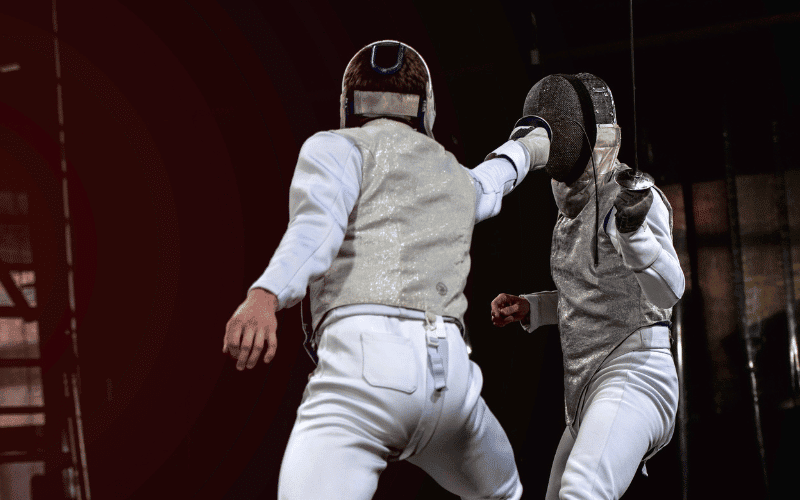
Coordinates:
[599,305]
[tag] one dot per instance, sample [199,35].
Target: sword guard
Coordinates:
[634,180]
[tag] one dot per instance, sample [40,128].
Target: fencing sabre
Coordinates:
[634,179]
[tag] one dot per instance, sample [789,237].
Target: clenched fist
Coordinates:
[252,324]
[632,208]
[509,308]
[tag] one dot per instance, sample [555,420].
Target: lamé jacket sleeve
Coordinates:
[648,252]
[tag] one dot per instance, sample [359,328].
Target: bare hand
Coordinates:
[509,308]
[252,324]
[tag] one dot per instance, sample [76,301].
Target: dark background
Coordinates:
[183,121]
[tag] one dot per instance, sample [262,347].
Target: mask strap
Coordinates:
[595,246]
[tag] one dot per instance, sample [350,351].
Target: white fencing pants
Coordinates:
[373,399]
[627,414]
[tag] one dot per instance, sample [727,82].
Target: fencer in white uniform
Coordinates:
[617,276]
[381,219]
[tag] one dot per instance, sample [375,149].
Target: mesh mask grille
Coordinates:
[602,100]
[556,99]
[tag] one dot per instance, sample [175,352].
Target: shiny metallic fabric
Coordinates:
[598,306]
[571,198]
[376,104]
[602,100]
[573,106]
[555,99]
[408,238]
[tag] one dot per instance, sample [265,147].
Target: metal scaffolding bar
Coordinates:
[20,410]
[689,300]
[683,412]
[12,290]
[738,275]
[19,362]
[788,273]
[71,375]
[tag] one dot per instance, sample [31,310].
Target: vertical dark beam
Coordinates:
[691,301]
[736,249]
[688,309]
[788,274]
[70,378]
[29,134]
[691,237]
[683,412]
[49,261]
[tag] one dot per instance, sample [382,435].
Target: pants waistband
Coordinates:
[649,337]
[379,310]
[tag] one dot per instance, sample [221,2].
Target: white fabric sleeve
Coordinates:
[543,310]
[650,254]
[496,178]
[324,190]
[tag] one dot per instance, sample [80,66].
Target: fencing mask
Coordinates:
[387,79]
[573,105]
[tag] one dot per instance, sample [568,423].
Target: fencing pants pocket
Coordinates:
[389,362]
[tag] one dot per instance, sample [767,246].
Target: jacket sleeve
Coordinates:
[543,310]
[324,190]
[650,254]
[497,177]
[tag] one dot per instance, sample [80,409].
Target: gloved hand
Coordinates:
[526,124]
[632,208]
[533,134]
[530,132]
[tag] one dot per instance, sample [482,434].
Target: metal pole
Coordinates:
[788,274]
[79,461]
[683,412]
[691,301]
[738,273]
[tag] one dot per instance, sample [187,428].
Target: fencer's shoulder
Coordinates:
[378,132]
[327,139]
[328,145]
[365,136]
[341,133]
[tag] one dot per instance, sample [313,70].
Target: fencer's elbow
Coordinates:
[663,285]
[681,288]
[669,304]
[669,298]
[663,302]
[677,289]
